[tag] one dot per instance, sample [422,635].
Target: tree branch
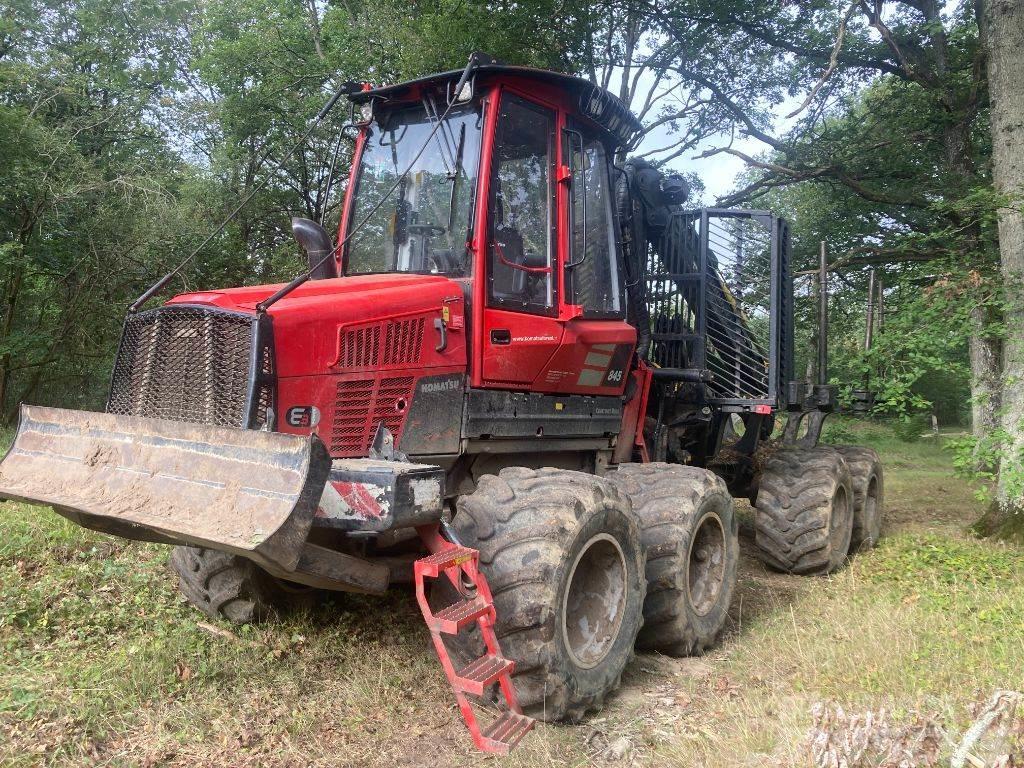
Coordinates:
[833,62]
[874,17]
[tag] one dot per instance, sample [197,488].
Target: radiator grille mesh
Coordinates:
[188,364]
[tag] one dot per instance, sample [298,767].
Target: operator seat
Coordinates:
[507,282]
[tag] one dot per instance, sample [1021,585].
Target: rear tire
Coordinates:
[561,552]
[803,513]
[868,494]
[690,535]
[230,587]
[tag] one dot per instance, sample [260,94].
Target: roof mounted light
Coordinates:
[463,90]
[611,114]
[365,114]
[465,94]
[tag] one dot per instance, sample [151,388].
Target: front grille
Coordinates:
[194,364]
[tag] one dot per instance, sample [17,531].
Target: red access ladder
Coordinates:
[453,561]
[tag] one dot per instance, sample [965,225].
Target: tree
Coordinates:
[129,130]
[919,361]
[923,67]
[1003,26]
[89,193]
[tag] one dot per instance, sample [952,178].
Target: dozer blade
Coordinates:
[242,491]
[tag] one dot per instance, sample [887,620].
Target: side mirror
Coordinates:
[317,244]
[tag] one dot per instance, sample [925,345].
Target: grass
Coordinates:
[102,662]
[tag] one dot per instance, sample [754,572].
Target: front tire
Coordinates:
[803,513]
[561,552]
[690,535]
[230,587]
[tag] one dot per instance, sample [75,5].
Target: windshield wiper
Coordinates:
[455,176]
[441,137]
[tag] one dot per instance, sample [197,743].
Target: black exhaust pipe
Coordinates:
[315,241]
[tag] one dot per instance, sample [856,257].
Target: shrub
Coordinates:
[910,428]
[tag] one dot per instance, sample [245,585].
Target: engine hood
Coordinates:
[309,321]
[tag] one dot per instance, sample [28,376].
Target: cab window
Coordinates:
[592,271]
[521,252]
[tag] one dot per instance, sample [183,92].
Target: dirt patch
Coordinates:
[101,455]
[28,569]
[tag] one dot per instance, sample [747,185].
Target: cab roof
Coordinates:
[600,106]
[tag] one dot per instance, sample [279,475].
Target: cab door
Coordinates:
[521,329]
[596,349]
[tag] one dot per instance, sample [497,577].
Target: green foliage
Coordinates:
[910,428]
[985,459]
[928,566]
[838,431]
[128,131]
[890,167]
[918,361]
[89,189]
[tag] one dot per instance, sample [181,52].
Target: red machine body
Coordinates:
[352,350]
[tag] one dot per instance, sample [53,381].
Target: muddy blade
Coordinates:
[242,491]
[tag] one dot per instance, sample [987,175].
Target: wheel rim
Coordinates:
[841,522]
[594,601]
[705,573]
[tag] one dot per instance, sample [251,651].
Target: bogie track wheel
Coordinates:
[868,494]
[690,535]
[230,587]
[803,513]
[562,555]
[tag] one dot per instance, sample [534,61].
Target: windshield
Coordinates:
[424,223]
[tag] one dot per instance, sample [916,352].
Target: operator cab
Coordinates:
[509,190]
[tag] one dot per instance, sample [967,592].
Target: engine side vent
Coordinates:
[359,347]
[383,345]
[404,342]
[360,405]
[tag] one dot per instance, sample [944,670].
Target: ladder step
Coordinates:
[481,673]
[452,619]
[505,732]
[433,565]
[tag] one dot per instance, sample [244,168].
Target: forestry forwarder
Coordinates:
[522,372]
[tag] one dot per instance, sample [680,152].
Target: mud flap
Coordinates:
[242,491]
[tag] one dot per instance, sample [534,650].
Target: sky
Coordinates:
[719,173]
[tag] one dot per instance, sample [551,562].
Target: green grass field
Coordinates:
[101,662]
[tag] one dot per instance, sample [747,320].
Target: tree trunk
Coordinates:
[1004,28]
[11,293]
[984,354]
